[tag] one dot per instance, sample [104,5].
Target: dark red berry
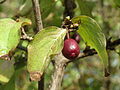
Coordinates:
[71,49]
[76,37]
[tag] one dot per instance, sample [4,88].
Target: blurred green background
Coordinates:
[84,74]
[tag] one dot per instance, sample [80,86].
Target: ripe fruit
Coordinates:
[76,37]
[71,49]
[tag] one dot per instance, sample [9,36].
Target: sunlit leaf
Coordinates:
[45,45]
[10,34]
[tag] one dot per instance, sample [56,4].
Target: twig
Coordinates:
[39,25]
[112,45]
[25,36]
[1,2]
[22,48]
[41,83]
[60,64]
[69,7]
[90,52]
[37,14]
[107,81]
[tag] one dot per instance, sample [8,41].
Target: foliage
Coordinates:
[11,30]
[84,73]
[92,35]
[46,44]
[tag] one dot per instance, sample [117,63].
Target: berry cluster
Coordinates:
[71,48]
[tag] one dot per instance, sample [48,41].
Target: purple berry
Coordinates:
[71,49]
[76,37]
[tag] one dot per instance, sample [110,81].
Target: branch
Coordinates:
[90,52]
[1,2]
[37,14]
[112,45]
[39,26]
[62,63]
[69,7]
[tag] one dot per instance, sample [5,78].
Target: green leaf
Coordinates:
[10,34]
[117,2]
[10,85]
[6,70]
[25,7]
[92,34]
[47,43]
[50,7]
[86,7]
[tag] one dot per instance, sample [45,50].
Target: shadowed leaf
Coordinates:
[92,34]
